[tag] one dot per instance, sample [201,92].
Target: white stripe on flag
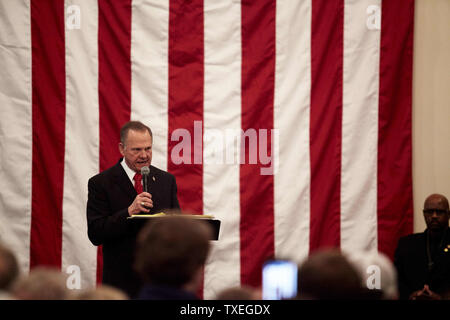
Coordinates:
[149,68]
[291,118]
[16,128]
[82,137]
[222,107]
[360,126]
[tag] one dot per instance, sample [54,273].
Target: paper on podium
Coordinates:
[215,224]
[162,214]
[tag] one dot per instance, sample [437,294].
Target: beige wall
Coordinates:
[431,103]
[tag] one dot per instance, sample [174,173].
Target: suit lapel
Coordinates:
[122,180]
[442,254]
[151,179]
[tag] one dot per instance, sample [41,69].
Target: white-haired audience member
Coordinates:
[42,283]
[377,272]
[103,292]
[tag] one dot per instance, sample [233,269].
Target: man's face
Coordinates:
[436,213]
[137,149]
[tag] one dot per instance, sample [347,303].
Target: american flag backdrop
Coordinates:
[324,86]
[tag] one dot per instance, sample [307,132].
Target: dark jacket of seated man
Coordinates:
[423,259]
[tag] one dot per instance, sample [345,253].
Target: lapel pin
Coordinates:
[153,178]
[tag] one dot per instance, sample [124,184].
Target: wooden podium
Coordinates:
[214,223]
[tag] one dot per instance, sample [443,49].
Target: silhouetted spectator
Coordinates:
[9,268]
[171,253]
[239,293]
[328,275]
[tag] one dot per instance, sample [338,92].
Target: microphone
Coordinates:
[145,171]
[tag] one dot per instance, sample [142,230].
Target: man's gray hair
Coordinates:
[133,125]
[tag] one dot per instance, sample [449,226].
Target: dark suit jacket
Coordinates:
[110,193]
[411,262]
[150,292]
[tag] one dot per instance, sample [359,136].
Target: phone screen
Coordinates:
[279,280]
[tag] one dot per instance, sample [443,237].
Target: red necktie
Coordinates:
[138,183]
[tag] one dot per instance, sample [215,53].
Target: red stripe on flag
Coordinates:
[395,199]
[49,114]
[257,190]
[186,75]
[327,23]
[99,273]
[114,59]
[114,54]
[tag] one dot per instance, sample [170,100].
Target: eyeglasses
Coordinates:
[439,212]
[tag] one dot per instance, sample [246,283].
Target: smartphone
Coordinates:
[279,280]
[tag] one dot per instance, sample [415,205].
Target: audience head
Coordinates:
[9,268]
[172,251]
[103,292]
[42,284]
[327,274]
[239,293]
[436,213]
[377,273]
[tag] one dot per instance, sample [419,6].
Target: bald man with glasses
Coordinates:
[423,259]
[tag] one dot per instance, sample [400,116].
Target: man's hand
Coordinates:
[142,203]
[424,294]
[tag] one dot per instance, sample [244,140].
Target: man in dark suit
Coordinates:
[423,259]
[116,194]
